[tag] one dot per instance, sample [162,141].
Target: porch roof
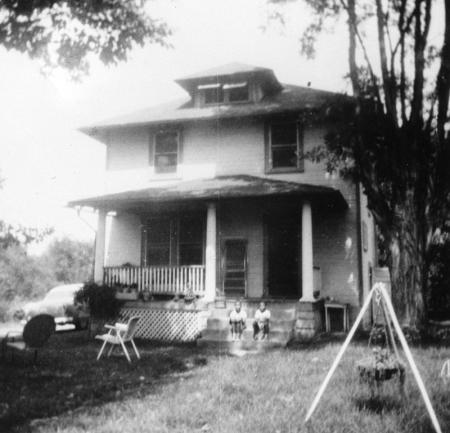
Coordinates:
[221,187]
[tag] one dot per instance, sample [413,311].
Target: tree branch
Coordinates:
[388,85]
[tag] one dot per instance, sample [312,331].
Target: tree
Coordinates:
[18,235]
[64,32]
[21,275]
[70,261]
[393,137]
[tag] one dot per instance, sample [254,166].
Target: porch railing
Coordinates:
[158,279]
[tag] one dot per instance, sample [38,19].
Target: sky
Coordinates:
[45,162]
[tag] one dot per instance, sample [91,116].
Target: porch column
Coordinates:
[100,238]
[307,254]
[210,260]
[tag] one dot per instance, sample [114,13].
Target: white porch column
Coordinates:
[210,260]
[307,254]
[100,239]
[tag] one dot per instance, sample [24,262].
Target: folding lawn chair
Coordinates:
[35,334]
[118,335]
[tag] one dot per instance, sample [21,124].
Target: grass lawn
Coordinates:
[185,389]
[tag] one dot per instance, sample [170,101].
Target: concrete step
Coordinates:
[277,314]
[247,335]
[275,324]
[242,345]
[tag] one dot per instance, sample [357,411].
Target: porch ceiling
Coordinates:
[222,187]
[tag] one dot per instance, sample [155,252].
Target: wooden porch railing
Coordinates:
[158,279]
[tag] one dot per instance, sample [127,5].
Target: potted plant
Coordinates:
[382,365]
[102,302]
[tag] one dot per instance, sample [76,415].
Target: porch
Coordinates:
[158,280]
[217,239]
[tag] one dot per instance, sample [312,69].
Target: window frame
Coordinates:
[224,88]
[146,245]
[300,165]
[181,243]
[153,153]
[175,243]
[228,87]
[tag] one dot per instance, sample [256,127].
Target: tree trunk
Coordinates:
[408,270]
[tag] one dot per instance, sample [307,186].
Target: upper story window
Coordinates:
[219,93]
[166,151]
[213,93]
[237,92]
[285,146]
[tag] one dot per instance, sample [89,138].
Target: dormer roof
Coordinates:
[231,72]
[223,70]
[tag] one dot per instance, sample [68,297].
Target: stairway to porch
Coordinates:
[217,332]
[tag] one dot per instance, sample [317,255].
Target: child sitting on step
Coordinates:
[237,321]
[261,322]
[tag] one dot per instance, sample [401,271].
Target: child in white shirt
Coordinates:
[238,318]
[261,322]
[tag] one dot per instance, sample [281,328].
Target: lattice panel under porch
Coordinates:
[165,325]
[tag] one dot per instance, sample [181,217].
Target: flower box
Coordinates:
[127,296]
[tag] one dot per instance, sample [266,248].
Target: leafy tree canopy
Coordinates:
[64,32]
[393,137]
[18,235]
[71,261]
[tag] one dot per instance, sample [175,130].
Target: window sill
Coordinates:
[285,170]
[165,176]
[226,103]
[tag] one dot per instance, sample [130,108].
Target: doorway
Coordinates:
[235,268]
[283,252]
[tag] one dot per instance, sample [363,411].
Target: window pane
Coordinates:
[158,232]
[158,256]
[166,142]
[284,133]
[285,156]
[213,96]
[191,229]
[166,163]
[238,94]
[191,254]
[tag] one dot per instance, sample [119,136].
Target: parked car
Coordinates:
[59,303]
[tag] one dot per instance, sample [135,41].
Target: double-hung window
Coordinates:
[157,242]
[285,146]
[166,151]
[174,240]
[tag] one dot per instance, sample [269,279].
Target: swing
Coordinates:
[385,362]
[388,310]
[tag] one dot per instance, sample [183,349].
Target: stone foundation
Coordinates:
[309,319]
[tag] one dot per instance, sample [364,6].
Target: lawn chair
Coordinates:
[119,334]
[35,334]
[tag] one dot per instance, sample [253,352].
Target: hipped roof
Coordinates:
[292,99]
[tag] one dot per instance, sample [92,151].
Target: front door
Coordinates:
[283,277]
[235,268]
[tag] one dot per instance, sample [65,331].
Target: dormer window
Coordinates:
[236,92]
[213,93]
[229,93]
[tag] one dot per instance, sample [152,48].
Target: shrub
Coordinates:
[101,300]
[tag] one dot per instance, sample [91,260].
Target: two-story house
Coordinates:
[212,195]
